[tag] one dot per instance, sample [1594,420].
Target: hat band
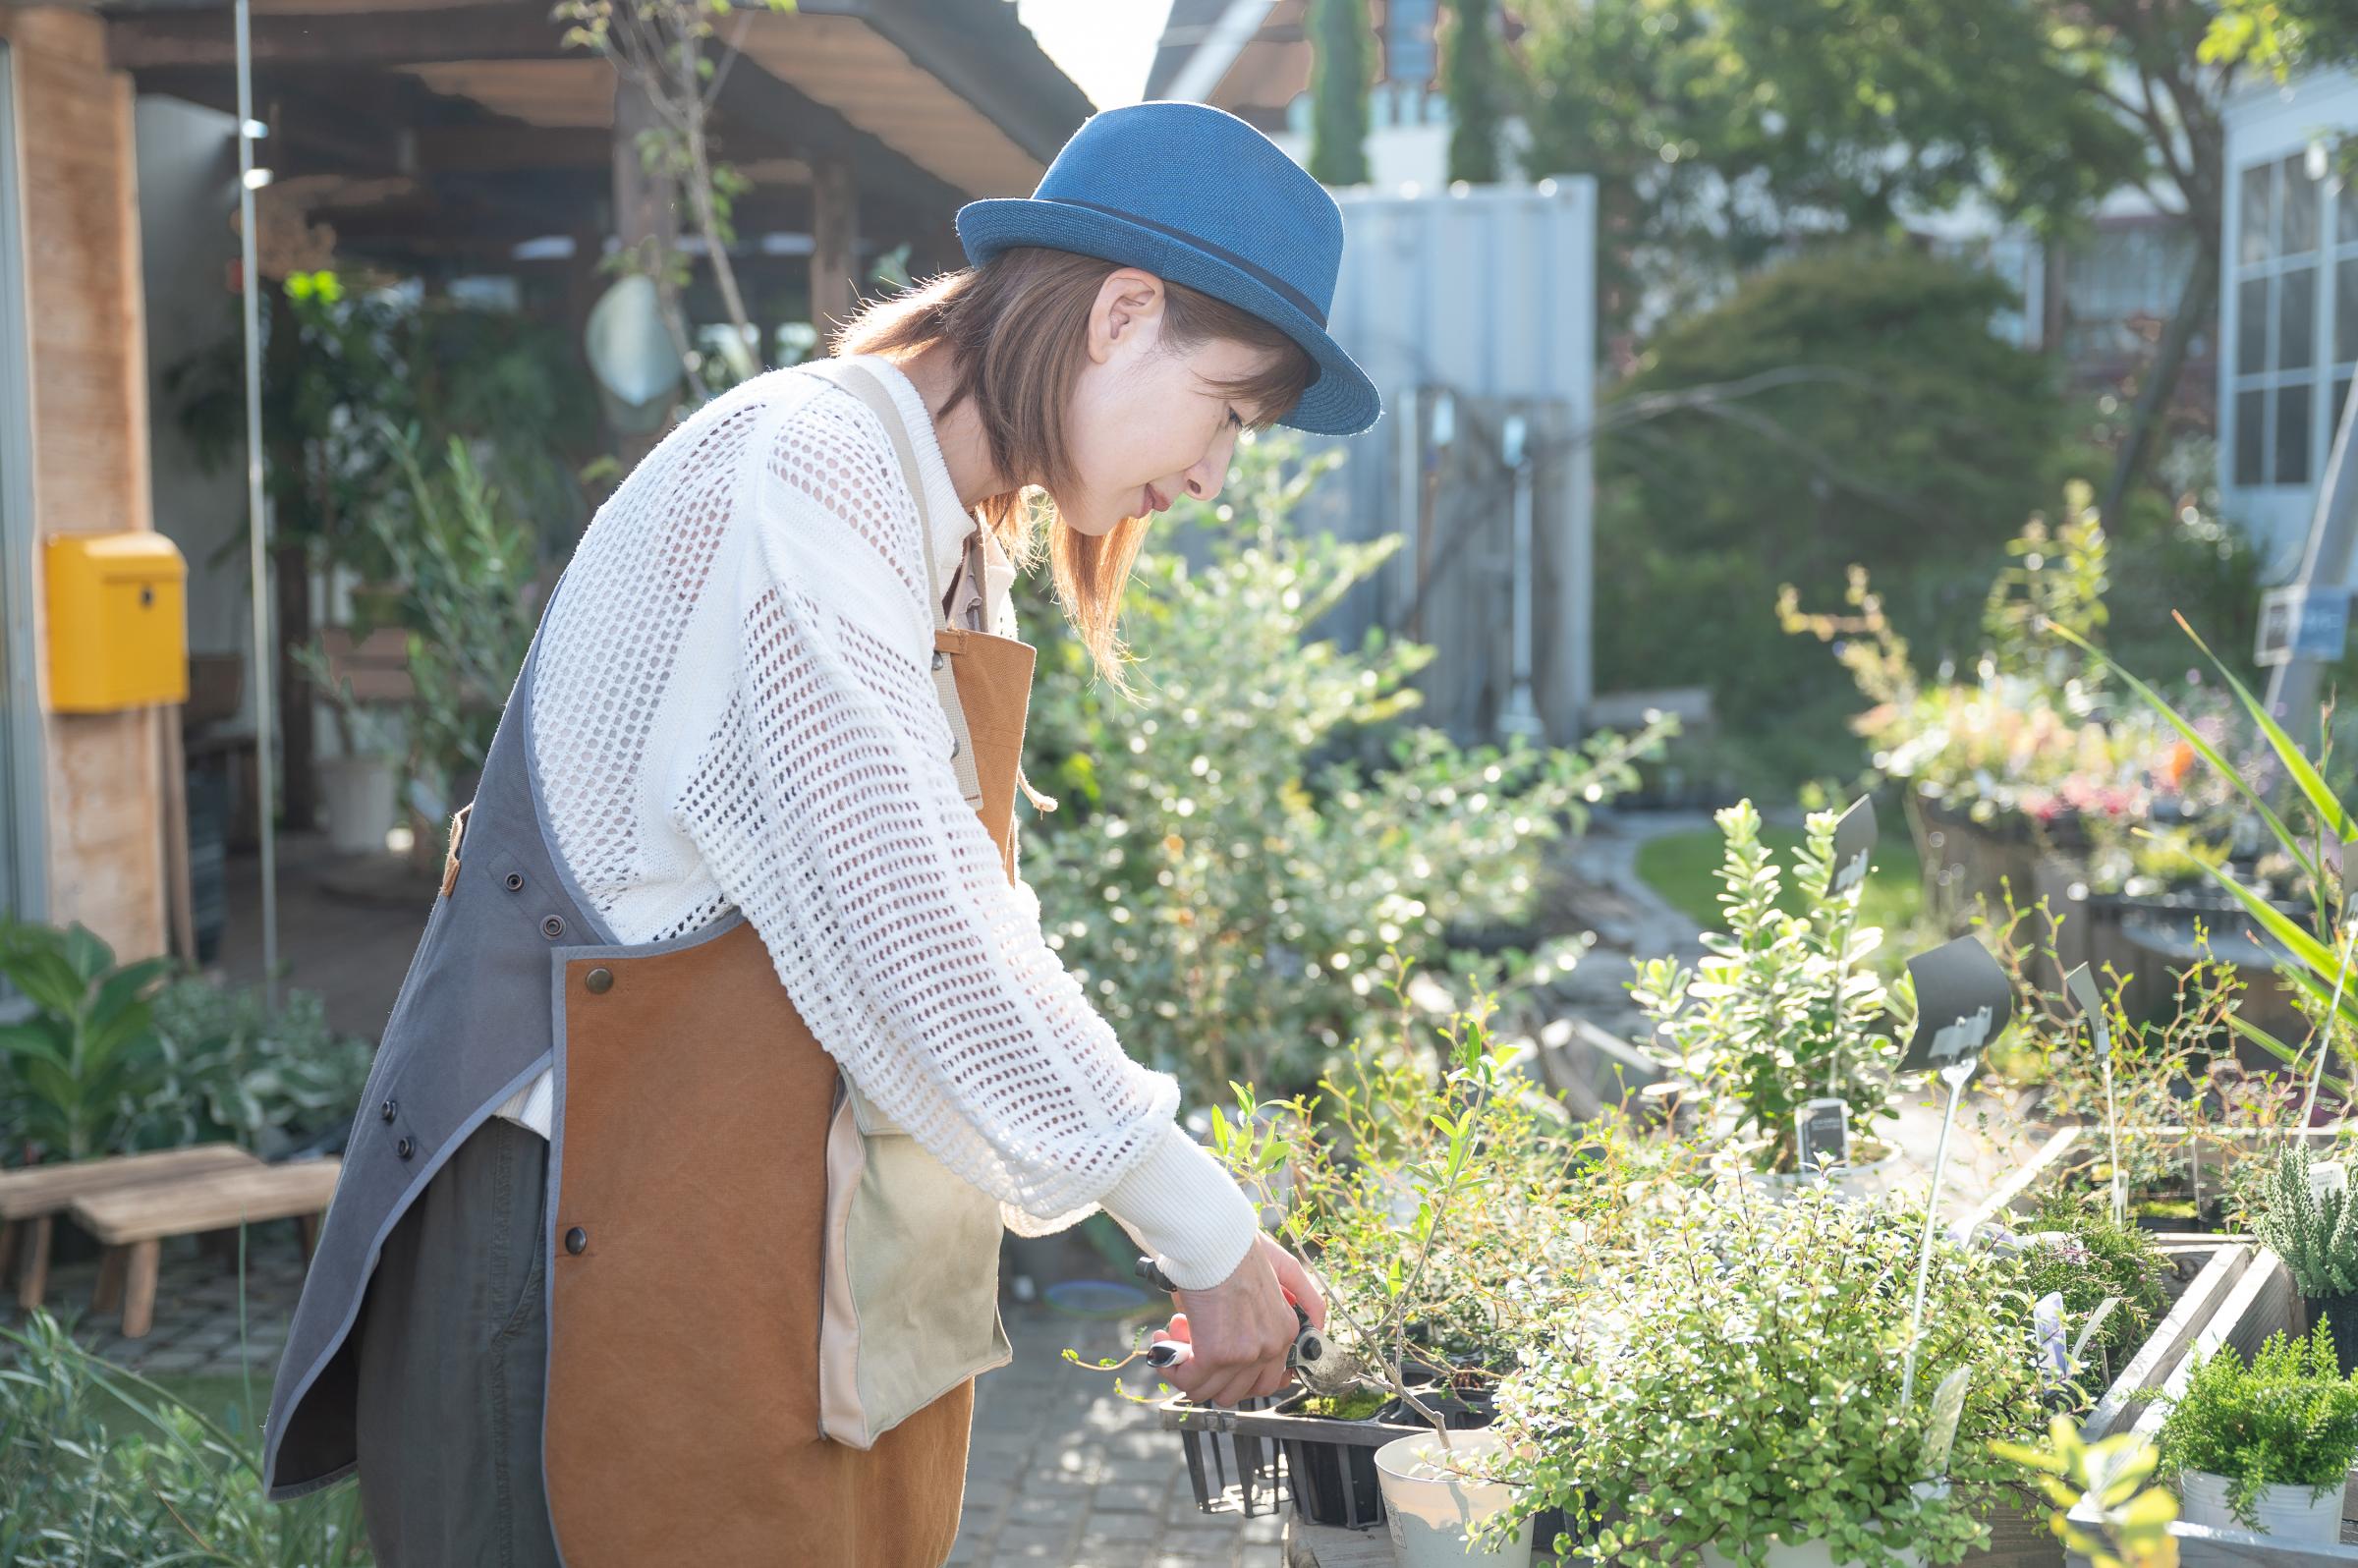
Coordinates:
[1245,265]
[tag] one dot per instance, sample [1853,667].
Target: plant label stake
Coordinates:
[1963,1001]
[2082,986]
[1852,851]
[1823,1127]
[2046,1327]
[2096,1320]
[1941,1432]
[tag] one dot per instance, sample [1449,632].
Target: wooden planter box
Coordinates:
[2262,1302]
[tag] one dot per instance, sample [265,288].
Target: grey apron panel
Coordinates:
[473,1024]
[453,1349]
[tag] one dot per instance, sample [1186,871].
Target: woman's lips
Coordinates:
[1155,500]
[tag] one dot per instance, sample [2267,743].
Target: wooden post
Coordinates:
[834,224]
[179,896]
[109,1294]
[647,218]
[138,1303]
[36,1276]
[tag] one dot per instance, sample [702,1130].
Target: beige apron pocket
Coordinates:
[911,1300]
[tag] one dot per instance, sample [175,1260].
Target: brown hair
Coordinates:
[1018,329]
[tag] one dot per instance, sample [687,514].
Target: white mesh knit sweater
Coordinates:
[732,707]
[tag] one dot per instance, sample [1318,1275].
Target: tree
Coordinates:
[1721,130]
[663,51]
[1342,59]
[1471,79]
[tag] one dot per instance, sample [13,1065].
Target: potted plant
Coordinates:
[1729,1390]
[2076,1252]
[1785,1008]
[2266,1448]
[2305,1216]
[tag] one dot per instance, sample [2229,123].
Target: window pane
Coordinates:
[2251,436]
[2251,326]
[2300,207]
[2341,395]
[2296,318]
[2258,240]
[2292,434]
[2345,214]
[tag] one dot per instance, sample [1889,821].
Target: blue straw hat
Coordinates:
[1197,197]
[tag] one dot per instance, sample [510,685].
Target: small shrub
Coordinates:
[2289,1419]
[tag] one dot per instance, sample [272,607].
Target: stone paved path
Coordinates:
[1064,1470]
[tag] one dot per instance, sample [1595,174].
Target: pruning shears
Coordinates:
[1311,1356]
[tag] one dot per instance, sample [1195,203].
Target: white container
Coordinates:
[1816,1553]
[1429,1514]
[2287,1513]
[360,803]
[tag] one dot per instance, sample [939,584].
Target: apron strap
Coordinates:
[862,384]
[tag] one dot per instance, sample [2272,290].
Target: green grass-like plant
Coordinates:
[2289,1419]
[2315,1233]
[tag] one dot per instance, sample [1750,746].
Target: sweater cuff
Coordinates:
[1182,1206]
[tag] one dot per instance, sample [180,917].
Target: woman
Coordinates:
[667,1229]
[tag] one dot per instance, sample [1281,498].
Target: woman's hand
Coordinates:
[1240,1329]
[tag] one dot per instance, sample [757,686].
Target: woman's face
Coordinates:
[1148,423]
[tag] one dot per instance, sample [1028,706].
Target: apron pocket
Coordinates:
[911,1300]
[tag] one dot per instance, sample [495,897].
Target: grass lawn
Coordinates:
[1683,868]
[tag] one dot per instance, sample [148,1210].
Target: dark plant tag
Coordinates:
[2082,986]
[1963,1001]
[1822,1128]
[1854,844]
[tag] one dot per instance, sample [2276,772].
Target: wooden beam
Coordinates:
[494,31]
[983,55]
[835,227]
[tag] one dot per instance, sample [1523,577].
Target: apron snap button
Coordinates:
[953,746]
[406,1148]
[515,882]
[387,1109]
[937,658]
[576,1239]
[553,928]
[600,980]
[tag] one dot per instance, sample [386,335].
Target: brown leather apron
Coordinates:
[683,1417]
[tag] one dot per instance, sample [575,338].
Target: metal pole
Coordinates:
[1850,921]
[2120,1185]
[257,519]
[1955,1078]
[1522,715]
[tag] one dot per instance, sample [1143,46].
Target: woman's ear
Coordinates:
[1127,312]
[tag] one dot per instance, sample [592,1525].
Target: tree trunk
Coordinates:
[2196,304]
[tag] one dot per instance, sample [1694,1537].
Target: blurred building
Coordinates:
[1251,58]
[462,147]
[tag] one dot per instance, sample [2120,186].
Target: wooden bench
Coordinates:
[31,1199]
[133,1222]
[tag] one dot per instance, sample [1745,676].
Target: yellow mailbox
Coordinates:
[117,620]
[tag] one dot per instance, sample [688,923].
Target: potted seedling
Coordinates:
[1729,1390]
[2305,1216]
[1784,1021]
[2267,1447]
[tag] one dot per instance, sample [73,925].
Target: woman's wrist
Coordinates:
[1183,1206]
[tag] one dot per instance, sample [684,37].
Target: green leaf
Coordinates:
[2322,801]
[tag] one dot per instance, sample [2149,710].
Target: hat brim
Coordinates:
[1342,401]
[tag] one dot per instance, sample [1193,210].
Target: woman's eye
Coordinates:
[1235,417]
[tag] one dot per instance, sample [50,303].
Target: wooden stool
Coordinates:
[31,1199]
[134,1221]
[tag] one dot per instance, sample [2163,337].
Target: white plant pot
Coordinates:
[2287,1513]
[1429,1514]
[1816,1553]
[361,802]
